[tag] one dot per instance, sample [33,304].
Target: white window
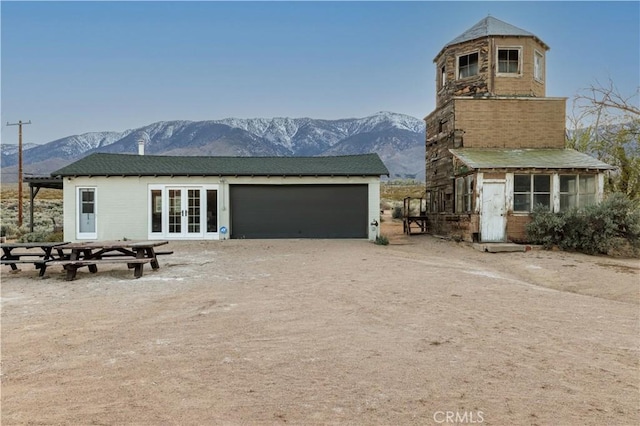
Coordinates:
[86,226]
[530,191]
[468,65]
[538,66]
[443,77]
[509,60]
[577,191]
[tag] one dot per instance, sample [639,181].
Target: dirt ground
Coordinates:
[422,331]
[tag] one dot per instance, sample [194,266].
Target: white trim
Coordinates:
[86,235]
[442,82]
[555,192]
[458,64]
[509,179]
[531,192]
[539,79]
[165,234]
[509,74]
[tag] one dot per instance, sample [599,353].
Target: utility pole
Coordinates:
[19,124]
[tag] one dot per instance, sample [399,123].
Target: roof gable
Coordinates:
[102,164]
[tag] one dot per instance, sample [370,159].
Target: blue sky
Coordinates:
[76,67]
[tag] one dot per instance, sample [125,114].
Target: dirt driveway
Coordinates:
[422,331]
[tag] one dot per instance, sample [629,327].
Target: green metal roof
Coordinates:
[477,158]
[155,165]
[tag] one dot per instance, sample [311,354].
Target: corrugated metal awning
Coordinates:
[485,158]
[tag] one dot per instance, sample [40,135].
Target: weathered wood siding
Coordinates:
[470,86]
[488,82]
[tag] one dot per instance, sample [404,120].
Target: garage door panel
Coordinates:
[299,211]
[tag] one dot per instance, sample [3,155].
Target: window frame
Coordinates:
[580,191]
[165,209]
[531,193]
[79,204]
[518,73]
[442,77]
[477,63]
[465,199]
[538,66]
[469,193]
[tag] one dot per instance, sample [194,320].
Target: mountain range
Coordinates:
[398,139]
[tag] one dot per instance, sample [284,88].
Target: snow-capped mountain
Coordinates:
[12,149]
[397,138]
[293,133]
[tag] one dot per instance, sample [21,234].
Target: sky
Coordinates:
[77,67]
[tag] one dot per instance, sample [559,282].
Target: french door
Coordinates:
[183,212]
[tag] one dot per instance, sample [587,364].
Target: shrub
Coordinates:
[33,237]
[545,228]
[396,213]
[41,236]
[55,237]
[382,240]
[9,230]
[594,229]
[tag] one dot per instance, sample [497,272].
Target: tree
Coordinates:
[606,124]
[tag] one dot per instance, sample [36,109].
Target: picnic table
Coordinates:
[91,254]
[37,253]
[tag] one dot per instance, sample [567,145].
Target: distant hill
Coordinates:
[398,139]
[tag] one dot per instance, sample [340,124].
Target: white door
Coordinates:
[86,204]
[184,212]
[492,217]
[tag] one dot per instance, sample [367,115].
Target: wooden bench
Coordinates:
[12,261]
[157,253]
[71,266]
[36,260]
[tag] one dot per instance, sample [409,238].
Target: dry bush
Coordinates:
[393,193]
[10,191]
[47,211]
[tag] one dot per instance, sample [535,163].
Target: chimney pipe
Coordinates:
[141,146]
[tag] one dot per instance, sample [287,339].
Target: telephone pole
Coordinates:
[19,124]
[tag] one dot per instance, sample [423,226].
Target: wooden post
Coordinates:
[19,124]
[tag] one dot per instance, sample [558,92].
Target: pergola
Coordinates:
[35,183]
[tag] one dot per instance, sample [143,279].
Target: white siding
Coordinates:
[123,202]
[374,208]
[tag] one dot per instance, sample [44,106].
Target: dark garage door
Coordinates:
[299,211]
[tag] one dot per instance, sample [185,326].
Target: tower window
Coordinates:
[538,66]
[468,65]
[509,61]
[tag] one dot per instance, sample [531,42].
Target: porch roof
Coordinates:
[485,158]
[101,164]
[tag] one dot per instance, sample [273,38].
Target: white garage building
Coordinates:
[116,196]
